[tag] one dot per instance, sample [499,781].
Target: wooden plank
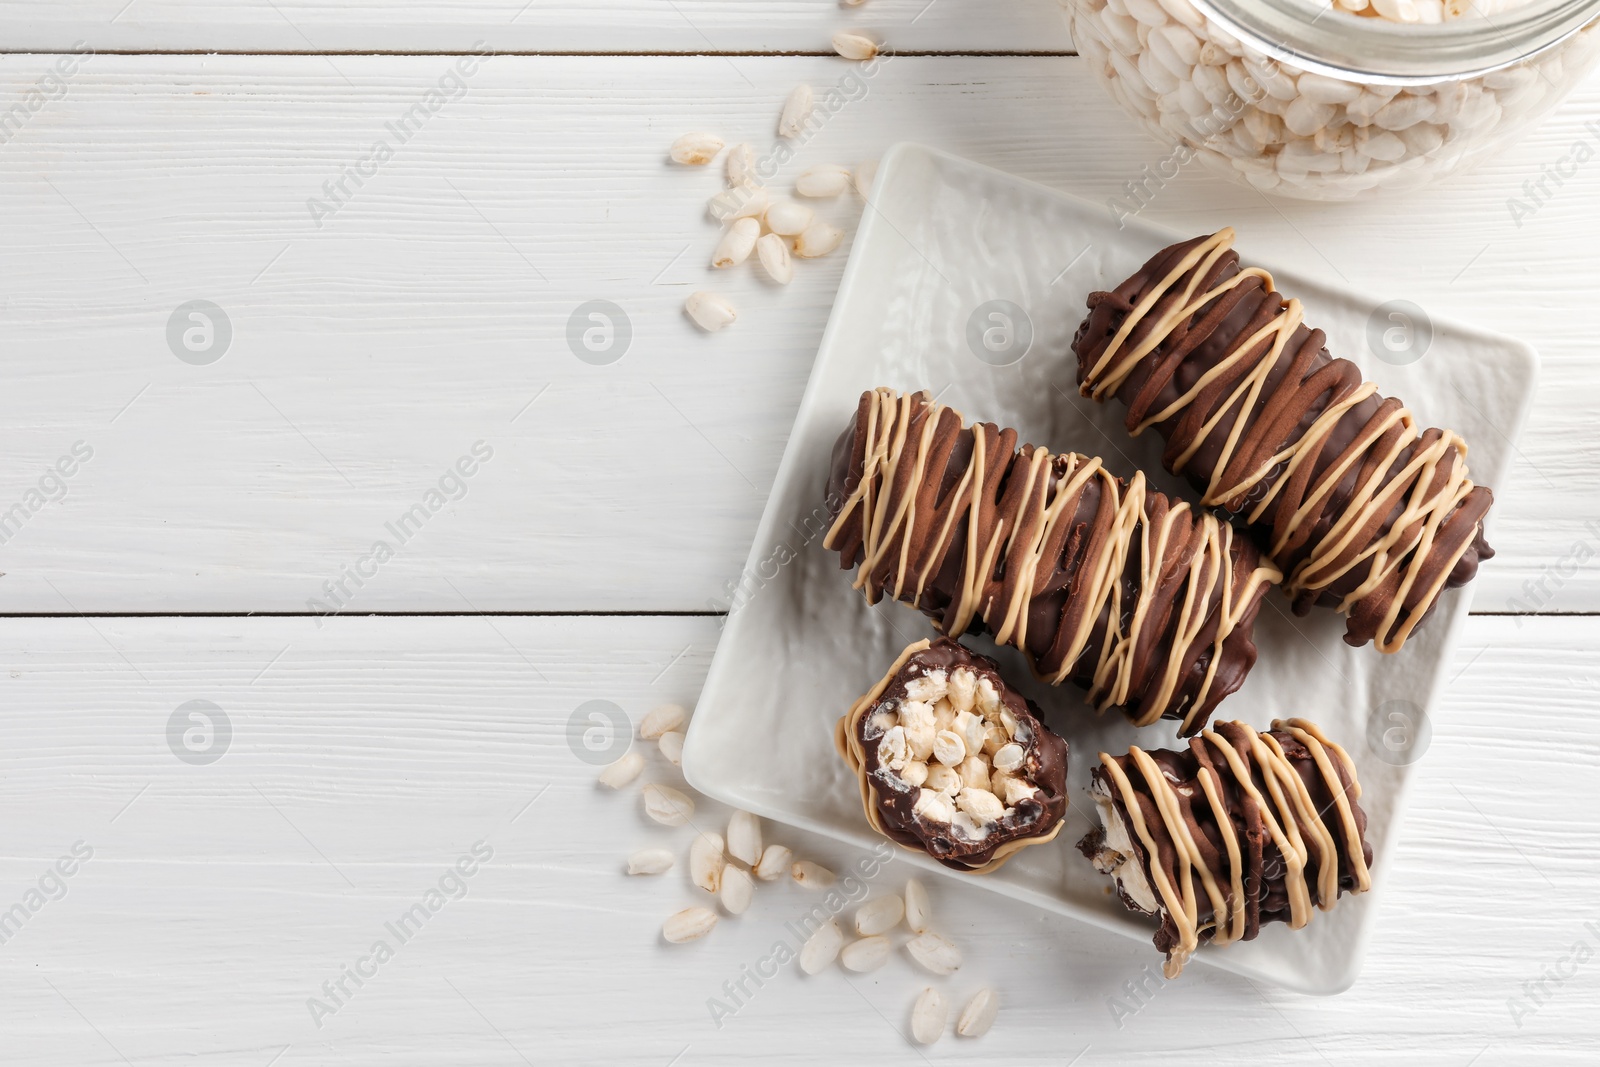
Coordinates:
[370,755]
[431,309]
[528,25]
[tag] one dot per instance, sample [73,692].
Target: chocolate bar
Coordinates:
[952,761]
[1144,601]
[1362,511]
[1238,830]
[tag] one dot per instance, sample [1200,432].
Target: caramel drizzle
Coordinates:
[1022,537]
[1439,458]
[1288,814]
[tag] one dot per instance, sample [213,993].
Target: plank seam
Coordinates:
[798,54]
[357,614]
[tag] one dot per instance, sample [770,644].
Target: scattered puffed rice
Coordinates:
[935,953]
[918,911]
[736,890]
[774,863]
[737,243]
[741,165]
[620,773]
[671,744]
[662,718]
[851,46]
[788,217]
[822,948]
[650,861]
[744,838]
[696,149]
[706,861]
[879,915]
[928,1016]
[818,239]
[868,954]
[666,805]
[978,1015]
[744,202]
[690,924]
[811,875]
[826,180]
[773,252]
[796,111]
[709,311]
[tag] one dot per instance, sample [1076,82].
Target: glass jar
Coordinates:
[1304,100]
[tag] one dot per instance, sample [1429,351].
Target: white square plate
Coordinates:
[800,645]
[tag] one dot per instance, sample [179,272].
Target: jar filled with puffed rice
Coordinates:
[1327,99]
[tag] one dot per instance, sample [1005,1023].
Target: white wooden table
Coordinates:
[587,557]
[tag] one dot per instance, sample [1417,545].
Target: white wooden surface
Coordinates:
[374,752]
[528,25]
[368,355]
[428,312]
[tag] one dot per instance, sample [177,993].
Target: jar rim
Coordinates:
[1312,35]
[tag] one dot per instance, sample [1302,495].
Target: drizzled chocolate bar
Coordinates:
[952,761]
[1142,600]
[1238,830]
[1362,511]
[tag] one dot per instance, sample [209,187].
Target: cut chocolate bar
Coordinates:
[1362,511]
[1238,830]
[952,761]
[1142,600]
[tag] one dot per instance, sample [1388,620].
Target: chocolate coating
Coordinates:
[1264,884]
[1368,463]
[1037,817]
[1138,598]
